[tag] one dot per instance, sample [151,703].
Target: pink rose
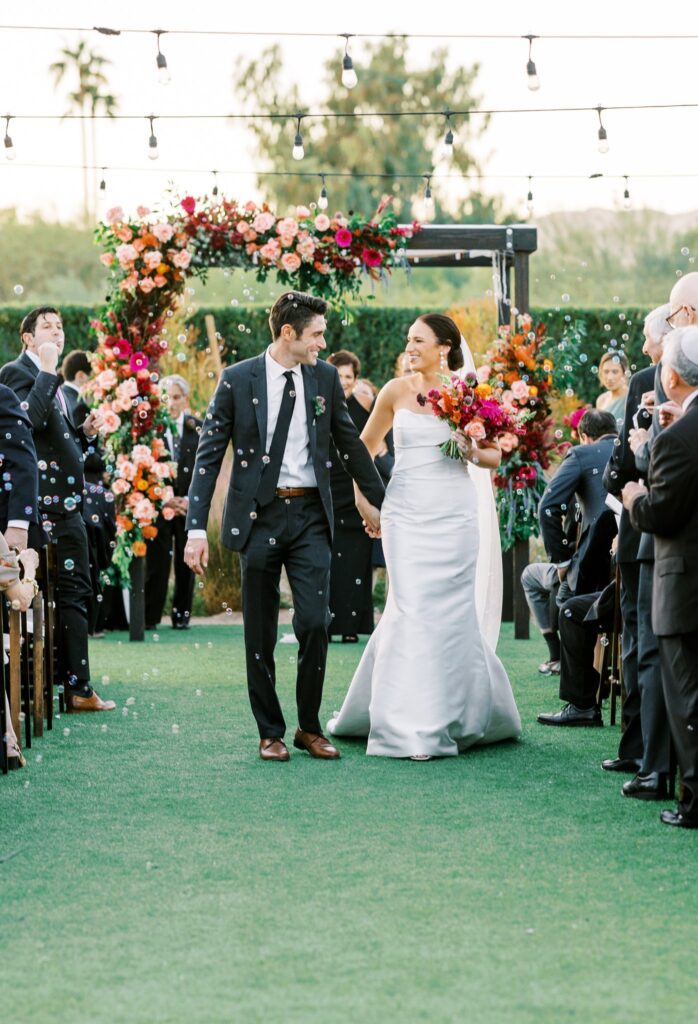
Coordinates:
[484,373]
[121,486]
[322,222]
[107,258]
[250,207]
[241,227]
[142,211]
[270,251]
[126,254]
[302,212]
[129,282]
[287,227]
[306,248]
[114,215]
[475,430]
[263,222]
[146,285]
[519,390]
[163,232]
[152,259]
[290,262]
[508,441]
[124,234]
[182,259]
[106,380]
[160,280]
[110,421]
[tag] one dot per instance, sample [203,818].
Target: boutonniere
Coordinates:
[319,404]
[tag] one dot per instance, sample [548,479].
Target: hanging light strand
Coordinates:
[603,134]
[161,61]
[627,202]
[448,137]
[153,153]
[298,151]
[7,141]
[323,202]
[349,79]
[531,73]
[529,197]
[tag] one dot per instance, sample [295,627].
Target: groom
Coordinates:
[281,411]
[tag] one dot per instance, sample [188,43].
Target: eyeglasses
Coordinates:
[672,316]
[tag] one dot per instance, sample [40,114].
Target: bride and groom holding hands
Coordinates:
[429,683]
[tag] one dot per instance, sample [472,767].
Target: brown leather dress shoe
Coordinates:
[316,744]
[273,749]
[92,703]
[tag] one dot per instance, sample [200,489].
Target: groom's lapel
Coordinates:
[258,381]
[310,389]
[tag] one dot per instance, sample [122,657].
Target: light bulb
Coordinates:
[153,148]
[323,201]
[349,79]
[448,145]
[9,148]
[298,151]
[627,202]
[428,198]
[529,202]
[164,77]
[533,80]
[603,141]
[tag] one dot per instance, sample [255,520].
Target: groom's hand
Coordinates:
[371,519]
[196,555]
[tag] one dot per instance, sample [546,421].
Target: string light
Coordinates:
[603,135]
[529,197]
[323,202]
[161,61]
[214,190]
[448,138]
[627,204]
[533,80]
[349,79]
[298,151]
[103,184]
[9,147]
[152,141]
[428,198]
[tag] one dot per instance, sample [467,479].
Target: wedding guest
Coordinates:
[20,521]
[60,448]
[540,583]
[613,369]
[351,574]
[171,536]
[18,586]
[668,508]
[644,742]
[76,370]
[402,366]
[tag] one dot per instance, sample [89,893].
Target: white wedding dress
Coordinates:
[428,681]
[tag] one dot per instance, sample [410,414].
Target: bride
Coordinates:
[429,683]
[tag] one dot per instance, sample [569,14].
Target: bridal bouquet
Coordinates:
[474,407]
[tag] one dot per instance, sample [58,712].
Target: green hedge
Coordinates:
[377,335]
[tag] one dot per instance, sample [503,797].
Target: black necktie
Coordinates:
[270,475]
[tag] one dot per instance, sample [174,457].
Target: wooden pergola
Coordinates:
[505,248]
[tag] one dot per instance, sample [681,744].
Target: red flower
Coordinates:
[371,257]
[343,238]
[188,204]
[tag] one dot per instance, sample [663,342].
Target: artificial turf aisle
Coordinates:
[172,876]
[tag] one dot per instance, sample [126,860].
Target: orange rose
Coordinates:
[139,548]
[150,532]
[142,485]
[124,523]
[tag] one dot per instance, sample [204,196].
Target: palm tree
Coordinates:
[86,100]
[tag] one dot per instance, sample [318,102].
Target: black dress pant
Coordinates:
[655,725]
[630,745]
[679,656]
[291,533]
[73,592]
[351,578]
[169,543]
[579,680]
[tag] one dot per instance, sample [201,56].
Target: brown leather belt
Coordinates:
[295,492]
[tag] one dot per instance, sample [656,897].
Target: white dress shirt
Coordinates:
[179,425]
[688,399]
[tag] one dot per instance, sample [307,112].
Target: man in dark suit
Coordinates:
[19,495]
[171,537]
[668,509]
[282,411]
[60,448]
[580,476]
[76,370]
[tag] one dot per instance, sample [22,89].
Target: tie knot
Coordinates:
[288,374]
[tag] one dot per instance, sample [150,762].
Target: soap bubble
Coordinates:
[19,288]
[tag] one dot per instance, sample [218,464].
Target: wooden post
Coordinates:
[136,604]
[521,613]
[213,343]
[508,585]
[38,618]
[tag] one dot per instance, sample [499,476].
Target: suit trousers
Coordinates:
[579,680]
[540,586]
[679,657]
[655,725]
[291,533]
[630,745]
[73,592]
[169,543]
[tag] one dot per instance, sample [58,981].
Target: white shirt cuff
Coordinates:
[196,534]
[19,524]
[563,565]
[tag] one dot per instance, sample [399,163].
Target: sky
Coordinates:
[572,73]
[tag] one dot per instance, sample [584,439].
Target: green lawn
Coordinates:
[170,875]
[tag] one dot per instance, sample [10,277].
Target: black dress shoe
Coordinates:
[646,787]
[572,715]
[621,764]
[678,819]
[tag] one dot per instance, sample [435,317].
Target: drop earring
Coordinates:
[443,361]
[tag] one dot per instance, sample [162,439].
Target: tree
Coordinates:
[400,145]
[88,101]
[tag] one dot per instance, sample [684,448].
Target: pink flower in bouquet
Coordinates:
[484,373]
[110,421]
[138,361]
[182,259]
[125,467]
[126,254]
[163,232]
[127,390]
[290,262]
[107,258]
[142,455]
[250,207]
[250,235]
[287,227]
[188,204]
[121,486]
[241,227]
[152,259]
[144,511]
[475,430]
[519,390]
[142,211]
[146,285]
[371,257]
[114,215]
[122,348]
[322,222]
[263,222]
[129,282]
[124,233]
[270,250]
[344,238]
[105,381]
[162,470]
[302,212]
[508,441]
[306,248]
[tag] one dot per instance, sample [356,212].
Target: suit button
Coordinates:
[253,515]
[235,531]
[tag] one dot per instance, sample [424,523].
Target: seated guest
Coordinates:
[18,586]
[643,749]
[351,573]
[668,509]
[60,447]
[613,369]
[20,521]
[171,536]
[540,583]
[578,476]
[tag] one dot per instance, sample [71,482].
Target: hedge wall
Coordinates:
[377,335]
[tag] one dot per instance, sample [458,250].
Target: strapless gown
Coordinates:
[428,683]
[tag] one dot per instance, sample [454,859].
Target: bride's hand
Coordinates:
[465,444]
